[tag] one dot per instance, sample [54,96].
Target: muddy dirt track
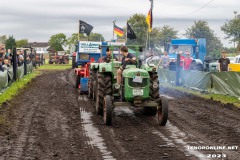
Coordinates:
[50,120]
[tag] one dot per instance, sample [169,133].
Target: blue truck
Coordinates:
[196,48]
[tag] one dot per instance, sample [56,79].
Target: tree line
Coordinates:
[159,37]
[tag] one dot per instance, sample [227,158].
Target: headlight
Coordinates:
[103,69]
[117,86]
[155,85]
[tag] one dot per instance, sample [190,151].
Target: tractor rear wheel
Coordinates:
[154,86]
[104,87]
[99,94]
[108,110]
[90,83]
[77,81]
[150,111]
[162,112]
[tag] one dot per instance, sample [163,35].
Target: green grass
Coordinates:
[217,97]
[55,67]
[14,89]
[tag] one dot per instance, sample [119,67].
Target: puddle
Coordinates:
[120,111]
[82,98]
[94,135]
[166,96]
[178,137]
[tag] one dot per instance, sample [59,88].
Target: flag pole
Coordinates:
[113,28]
[126,32]
[146,45]
[151,24]
[78,31]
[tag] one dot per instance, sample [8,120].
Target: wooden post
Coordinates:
[14,64]
[178,70]
[25,62]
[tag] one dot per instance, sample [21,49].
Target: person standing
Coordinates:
[223,62]
[181,59]
[165,59]
[2,56]
[187,62]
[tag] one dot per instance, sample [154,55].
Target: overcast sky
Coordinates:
[37,20]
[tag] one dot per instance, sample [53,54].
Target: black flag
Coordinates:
[130,32]
[84,27]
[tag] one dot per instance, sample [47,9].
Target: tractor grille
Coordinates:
[134,84]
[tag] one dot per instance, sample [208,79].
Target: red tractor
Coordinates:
[82,75]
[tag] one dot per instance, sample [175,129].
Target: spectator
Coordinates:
[20,58]
[187,62]
[181,59]
[165,59]
[6,64]
[8,54]
[2,56]
[223,62]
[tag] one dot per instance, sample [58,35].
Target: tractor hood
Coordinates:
[132,72]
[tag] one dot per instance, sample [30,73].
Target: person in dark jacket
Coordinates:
[223,62]
[108,58]
[128,59]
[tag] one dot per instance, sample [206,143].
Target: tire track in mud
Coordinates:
[47,122]
[53,122]
[131,137]
[213,123]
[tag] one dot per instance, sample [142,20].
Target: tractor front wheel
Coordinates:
[100,89]
[154,86]
[162,112]
[108,110]
[90,83]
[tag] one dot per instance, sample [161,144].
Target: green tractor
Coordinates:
[139,88]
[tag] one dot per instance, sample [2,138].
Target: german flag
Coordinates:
[149,20]
[119,31]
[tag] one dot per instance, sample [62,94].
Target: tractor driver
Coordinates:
[109,56]
[128,59]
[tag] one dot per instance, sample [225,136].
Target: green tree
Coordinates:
[139,25]
[96,37]
[232,29]
[166,34]
[3,39]
[21,43]
[10,43]
[200,29]
[57,41]
[72,41]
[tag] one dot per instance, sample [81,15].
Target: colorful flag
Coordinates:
[130,32]
[149,20]
[84,27]
[119,31]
